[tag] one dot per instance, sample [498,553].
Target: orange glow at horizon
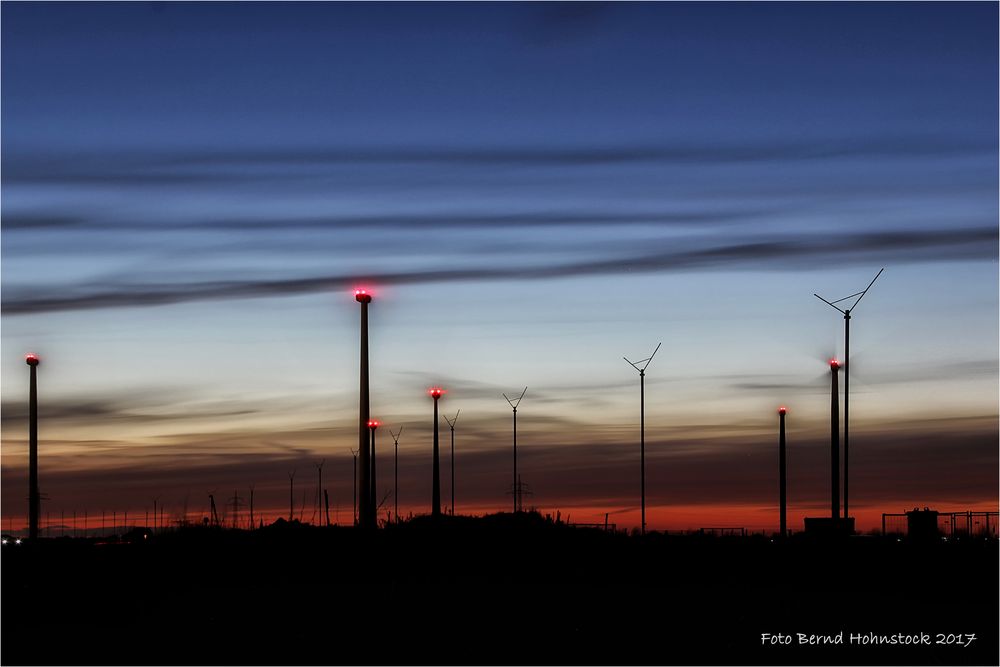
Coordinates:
[672,518]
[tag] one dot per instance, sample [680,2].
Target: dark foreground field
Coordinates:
[497,590]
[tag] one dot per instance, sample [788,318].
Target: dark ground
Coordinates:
[490,591]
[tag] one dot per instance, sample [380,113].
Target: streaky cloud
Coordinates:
[917,461]
[23,221]
[151,167]
[105,411]
[973,243]
[429,220]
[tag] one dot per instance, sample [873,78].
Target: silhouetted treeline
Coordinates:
[501,589]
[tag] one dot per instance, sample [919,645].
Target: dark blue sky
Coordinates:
[536,188]
[140,75]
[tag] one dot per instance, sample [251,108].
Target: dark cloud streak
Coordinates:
[105,411]
[449,220]
[251,165]
[972,243]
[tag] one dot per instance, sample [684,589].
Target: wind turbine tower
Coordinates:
[847,375]
[642,428]
[834,441]
[515,486]
[395,469]
[435,393]
[373,424]
[782,515]
[367,511]
[451,425]
[34,498]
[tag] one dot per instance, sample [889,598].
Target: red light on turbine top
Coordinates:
[362,295]
[31,359]
[436,392]
[782,410]
[374,424]
[834,364]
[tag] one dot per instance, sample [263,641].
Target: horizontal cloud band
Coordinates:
[976,243]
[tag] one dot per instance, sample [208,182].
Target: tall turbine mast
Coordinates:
[373,424]
[642,426]
[782,506]
[435,393]
[513,405]
[155,525]
[834,442]
[354,453]
[364,500]
[847,367]
[319,489]
[395,469]
[451,424]
[34,498]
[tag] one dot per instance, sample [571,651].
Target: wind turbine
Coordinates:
[847,367]
[642,425]
[513,404]
[395,469]
[782,506]
[435,393]
[34,497]
[319,489]
[368,519]
[451,424]
[354,453]
[373,424]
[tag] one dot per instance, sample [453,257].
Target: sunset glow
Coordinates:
[192,192]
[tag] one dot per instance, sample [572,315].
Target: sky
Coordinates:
[191,192]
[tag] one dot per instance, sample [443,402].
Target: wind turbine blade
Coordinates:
[648,361]
[867,288]
[827,302]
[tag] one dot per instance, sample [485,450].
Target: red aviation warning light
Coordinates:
[436,392]
[834,364]
[31,359]
[374,424]
[362,295]
[782,410]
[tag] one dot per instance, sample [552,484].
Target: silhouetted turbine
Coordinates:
[372,425]
[642,427]
[355,488]
[395,469]
[513,406]
[451,424]
[435,393]
[319,488]
[34,498]
[834,441]
[366,508]
[783,526]
[847,362]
